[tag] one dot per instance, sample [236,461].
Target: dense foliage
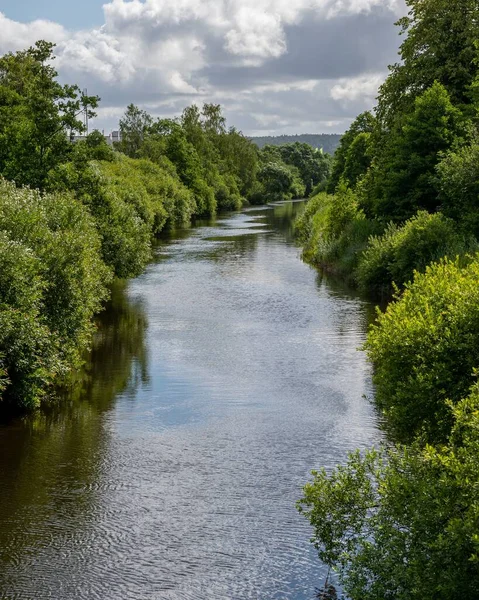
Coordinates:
[417,152]
[403,522]
[35,114]
[425,349]
[334,230]
[402,250]
[52,283]
[221,167]
[327,142]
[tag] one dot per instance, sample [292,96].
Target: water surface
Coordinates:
[218,380]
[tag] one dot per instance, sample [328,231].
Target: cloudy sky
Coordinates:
[277,66]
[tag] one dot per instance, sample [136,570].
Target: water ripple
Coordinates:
[183,485]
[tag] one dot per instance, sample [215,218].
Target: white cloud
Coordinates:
[338,7]
[164,54]
[249,28]
[256,33]
[98,54]
[18,36]
[364,88]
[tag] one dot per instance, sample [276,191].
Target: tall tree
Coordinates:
[440,45]
[458,176]
[36,112]
[364,123]
[134,127]
[405,174]
[358,159]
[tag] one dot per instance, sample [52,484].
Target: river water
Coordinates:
[218,380]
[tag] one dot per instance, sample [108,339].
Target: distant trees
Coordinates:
[312,164]
[326,142]
[299,169]
[279,181]
[221,166]
[134,127]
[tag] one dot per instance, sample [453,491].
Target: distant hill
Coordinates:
[327,141]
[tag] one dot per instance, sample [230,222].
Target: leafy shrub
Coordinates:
[52,282]
[303,224]
[318,188]
[227,193]
[158,197]
[130,199]
[126,238]
[425,349]
[76,276]
[395,255]
[402,523]
[27,350]
[344,210]
[459,186]
[334,231]
[257,194]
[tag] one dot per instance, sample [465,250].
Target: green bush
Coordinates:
[318,188]
[394,256]
[257,194]
[344,210]
[402,523]
[334,231]
[303,225]
[52,282]
[158,197]
[126,199]
[126,238]
[227,193]
[27,347]
[77,278]
[425,349]
[30,359]
[458,174]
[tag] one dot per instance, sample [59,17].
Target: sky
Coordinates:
[276,66]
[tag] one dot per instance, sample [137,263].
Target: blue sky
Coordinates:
[276,66]
[70,13]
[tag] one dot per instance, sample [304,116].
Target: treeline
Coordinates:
[400,215]
[327,142]
[222,167]
[75,216]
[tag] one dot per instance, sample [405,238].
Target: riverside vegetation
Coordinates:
[400,216]
[73,216]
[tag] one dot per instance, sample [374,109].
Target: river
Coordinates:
[170,470]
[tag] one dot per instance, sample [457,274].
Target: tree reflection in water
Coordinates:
[37,492]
